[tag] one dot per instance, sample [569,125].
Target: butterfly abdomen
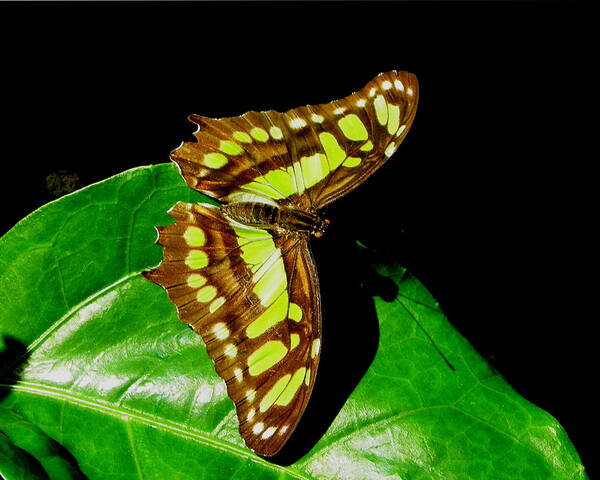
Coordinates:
[262,215]
[254,214]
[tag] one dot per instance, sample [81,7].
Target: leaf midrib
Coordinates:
[174,428]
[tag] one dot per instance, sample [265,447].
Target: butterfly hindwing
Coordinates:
[283,391]
[253,297]
[307,156]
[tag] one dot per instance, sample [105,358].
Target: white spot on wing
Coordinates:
[276,133]
[258,428]
[316,346]
[400,130]
[389,151]
[220,331]
[230,350]
[297,123]
[268,433]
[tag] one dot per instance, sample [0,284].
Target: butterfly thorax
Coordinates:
[277,217]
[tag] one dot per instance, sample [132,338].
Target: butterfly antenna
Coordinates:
[429,337]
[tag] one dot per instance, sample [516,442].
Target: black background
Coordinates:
[487,201]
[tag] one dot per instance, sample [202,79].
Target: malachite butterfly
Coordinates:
[242,274]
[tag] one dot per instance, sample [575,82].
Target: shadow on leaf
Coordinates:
[350,336]
[12,359]
[39,454]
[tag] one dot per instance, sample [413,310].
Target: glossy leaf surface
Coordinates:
[100,378]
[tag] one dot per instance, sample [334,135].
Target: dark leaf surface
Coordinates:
[100,378]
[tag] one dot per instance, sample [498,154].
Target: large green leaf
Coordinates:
[102,379]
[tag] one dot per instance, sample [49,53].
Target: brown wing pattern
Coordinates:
[307,156]
[252,294]
[287,387]
[360,132]
[231,153]
[253,298]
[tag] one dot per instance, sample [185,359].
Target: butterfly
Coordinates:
[241,274]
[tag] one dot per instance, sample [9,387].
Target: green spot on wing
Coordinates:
[206,294]
[259,134]
[215,160]
[246,232]
[353,128]
[195,280]
[218,303]
[274,392]
[265,357]
[334,152]
[272,281]
[231,148]
[263,189]
[194,236]
[381,109]
[394,119]
[352,162]
[279,180]
[295,312]
[242,137]
[257,251]
[292,387]
[314,169]
[274,314]
[367,147]
[196,259]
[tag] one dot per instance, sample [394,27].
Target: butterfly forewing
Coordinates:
[246,154]
[253,297]
[360,132]
[307,156]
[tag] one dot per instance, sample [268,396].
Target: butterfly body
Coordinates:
[283,218]
[242,274]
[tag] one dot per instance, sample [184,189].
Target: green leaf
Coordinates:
[27,452]
[98,364]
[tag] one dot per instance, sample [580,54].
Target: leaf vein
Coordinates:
[164,424]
